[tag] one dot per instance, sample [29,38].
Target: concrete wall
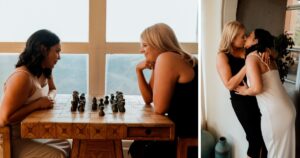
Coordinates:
[267,14]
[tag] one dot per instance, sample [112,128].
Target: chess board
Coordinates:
[139,122]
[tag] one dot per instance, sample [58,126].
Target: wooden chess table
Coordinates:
[95,136]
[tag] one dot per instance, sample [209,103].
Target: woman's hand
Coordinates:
[266,56]
[45,103]
[144,65]
[241,90]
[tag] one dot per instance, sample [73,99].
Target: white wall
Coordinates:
[221,119]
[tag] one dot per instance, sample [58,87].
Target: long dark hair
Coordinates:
[36,51]
[265,40]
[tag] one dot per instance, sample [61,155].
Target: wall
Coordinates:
[267,14]
[220,117]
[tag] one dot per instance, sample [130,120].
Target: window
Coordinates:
[70,73]
[121,75]
[135,15]
[19,19]
[97,37]
[292,25]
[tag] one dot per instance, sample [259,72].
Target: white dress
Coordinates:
[278,116]
[33,148]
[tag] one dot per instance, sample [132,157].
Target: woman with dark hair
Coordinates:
[29,88]
[278,111]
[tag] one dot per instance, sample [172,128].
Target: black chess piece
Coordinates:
[114,107]
[121,106]
[106,100]
[101,102]
[81,106]
[94,105]
[74,105]
[112,97]
[101,112]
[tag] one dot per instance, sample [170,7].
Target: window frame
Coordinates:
[97,47]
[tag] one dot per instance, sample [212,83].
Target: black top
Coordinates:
[236,64]
[183,110]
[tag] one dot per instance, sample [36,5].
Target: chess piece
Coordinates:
[81,106]
[114,107]
[121,106]
[101,112]
[94,105]
[112,97]
[101,102]
[106,100]
[74,105]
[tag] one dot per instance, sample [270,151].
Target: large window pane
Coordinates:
[70,73]
[126,19]
[120,73]
[67,18]
[292,25]
[7,66]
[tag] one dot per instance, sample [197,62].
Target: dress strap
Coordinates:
[259,57]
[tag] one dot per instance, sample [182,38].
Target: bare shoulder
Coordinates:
[20,79]
[253,58]
[169,58]
[222,57]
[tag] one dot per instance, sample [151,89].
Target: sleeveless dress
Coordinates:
[183,111]
[31,148]
[278,116]
[248,113]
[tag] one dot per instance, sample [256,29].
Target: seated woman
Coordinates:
[173,88]
[29,88]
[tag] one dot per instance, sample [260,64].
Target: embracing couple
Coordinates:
[247,67]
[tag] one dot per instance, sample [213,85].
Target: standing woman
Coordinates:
[232,71]
[29,88]
[173,88]
[277,108]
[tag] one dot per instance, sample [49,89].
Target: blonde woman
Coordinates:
[232,71]
[173,88]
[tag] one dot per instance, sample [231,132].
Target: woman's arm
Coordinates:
[17,90]
[145,88]
[166,76]
[224,70]
[41,103]
[254,76]
[52,88]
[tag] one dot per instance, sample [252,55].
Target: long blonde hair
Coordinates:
[160,36]
[230,31]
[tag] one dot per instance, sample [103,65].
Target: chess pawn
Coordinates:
[82,96]
[101,112]
[101,102]
[94,104]
[112,97]
[106,100]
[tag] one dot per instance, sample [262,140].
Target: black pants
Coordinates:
[248,113]
[157,149]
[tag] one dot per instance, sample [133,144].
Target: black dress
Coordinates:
[183,111]
[247,112]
